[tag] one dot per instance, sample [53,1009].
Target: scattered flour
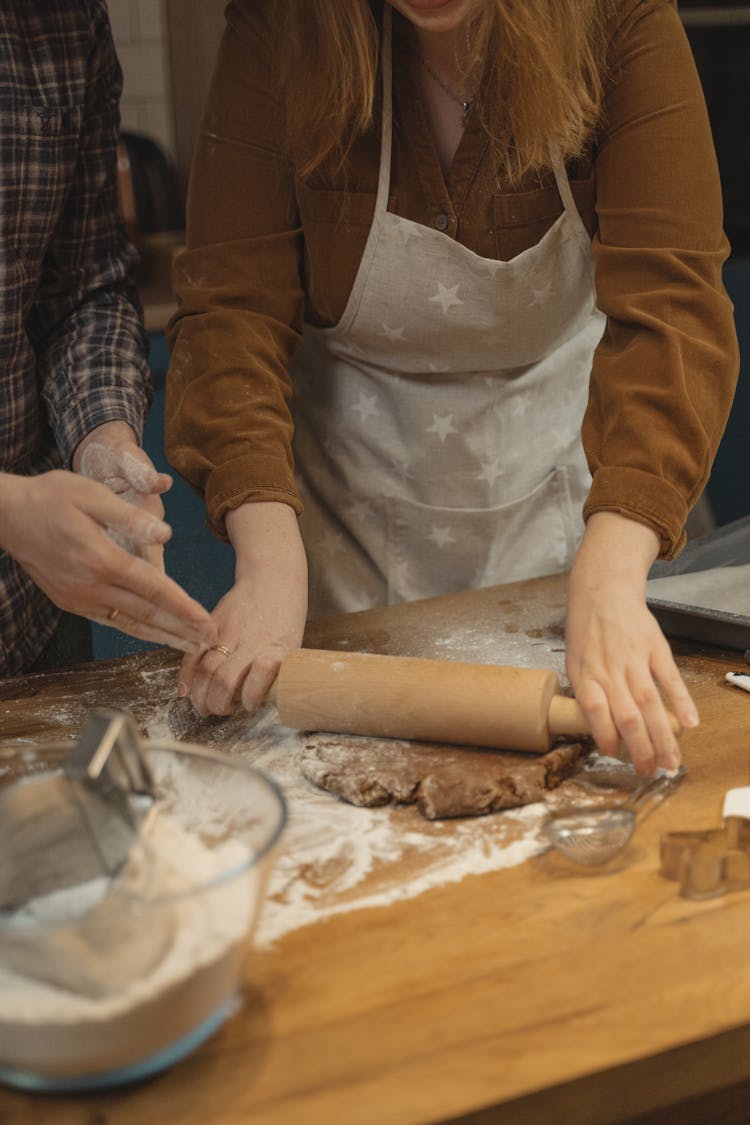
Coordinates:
[334,857]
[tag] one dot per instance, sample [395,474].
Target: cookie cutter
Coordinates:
[715,861]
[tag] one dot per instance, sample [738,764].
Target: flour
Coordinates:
[44,1028]
[334,858]
[515,648]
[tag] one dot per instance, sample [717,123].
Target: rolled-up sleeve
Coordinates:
[239,289]
[664,373]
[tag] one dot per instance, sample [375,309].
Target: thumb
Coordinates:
[139,472]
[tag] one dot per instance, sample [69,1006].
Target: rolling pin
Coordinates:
[429,700]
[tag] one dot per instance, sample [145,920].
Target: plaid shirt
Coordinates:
[72,345]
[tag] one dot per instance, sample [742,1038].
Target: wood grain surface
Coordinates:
[539,993]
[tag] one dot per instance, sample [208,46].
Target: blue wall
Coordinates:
[193,557]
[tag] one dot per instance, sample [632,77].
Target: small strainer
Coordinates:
[593,836]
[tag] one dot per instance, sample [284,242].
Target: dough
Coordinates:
[442,781]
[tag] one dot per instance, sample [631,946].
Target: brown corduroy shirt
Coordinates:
[267,250]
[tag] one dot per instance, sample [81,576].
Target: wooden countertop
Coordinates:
[539,992]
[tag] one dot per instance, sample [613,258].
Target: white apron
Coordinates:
[437,425]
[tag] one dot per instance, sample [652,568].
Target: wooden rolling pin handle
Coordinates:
[566,717]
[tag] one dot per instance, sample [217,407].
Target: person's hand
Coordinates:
[57,526]
[259,620]
[617,657]
[111,455]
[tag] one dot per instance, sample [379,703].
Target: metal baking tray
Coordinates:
[709,626]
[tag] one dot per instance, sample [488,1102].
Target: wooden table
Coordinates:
[538,993]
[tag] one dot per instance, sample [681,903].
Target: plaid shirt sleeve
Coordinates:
[86,323]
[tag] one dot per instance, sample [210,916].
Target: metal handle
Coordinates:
[58,829]
[654,790]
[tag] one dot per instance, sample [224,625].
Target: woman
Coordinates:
[468,233]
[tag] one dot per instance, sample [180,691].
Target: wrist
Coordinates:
[9,484]
[616,547]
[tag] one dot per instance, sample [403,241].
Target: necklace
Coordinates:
[465,103]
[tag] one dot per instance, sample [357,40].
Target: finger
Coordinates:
[667,675]
[144,632]
[154,556]
[140,473]
[129,521]
[161,601]
[223,686]
[658,729]
[161,604]
[592,700]
[632,729]
[258,680]
[187,673]
[200,686]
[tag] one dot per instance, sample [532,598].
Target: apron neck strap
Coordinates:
[386,127]
[562,181]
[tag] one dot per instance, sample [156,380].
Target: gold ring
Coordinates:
[220,648]
[112,614]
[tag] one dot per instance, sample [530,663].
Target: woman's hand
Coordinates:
[62,528]
[259,620]
[617,656]
[111,455]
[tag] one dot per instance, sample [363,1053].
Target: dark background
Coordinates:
[719,35]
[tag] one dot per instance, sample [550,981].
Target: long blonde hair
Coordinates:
[541,64]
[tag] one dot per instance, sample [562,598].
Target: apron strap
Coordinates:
[562,181]
[386,127]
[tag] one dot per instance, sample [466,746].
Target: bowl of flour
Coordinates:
[109,981]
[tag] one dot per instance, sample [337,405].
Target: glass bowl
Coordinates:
[112,980]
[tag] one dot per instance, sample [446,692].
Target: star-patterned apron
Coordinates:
[437,425]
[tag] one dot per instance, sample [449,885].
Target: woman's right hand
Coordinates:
[259,620]
[59,526]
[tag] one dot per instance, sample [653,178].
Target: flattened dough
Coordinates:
[443,781]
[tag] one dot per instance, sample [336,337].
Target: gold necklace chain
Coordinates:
[465,103]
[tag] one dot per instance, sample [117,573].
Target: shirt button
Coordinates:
[441,220]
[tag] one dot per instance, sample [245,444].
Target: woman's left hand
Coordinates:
[111,455]
[618,660]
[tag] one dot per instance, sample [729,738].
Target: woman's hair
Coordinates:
[541,65]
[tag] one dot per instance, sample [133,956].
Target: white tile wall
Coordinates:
[139,29]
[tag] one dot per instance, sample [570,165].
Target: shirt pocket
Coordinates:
[332,207]
[40,143]
[521,219]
